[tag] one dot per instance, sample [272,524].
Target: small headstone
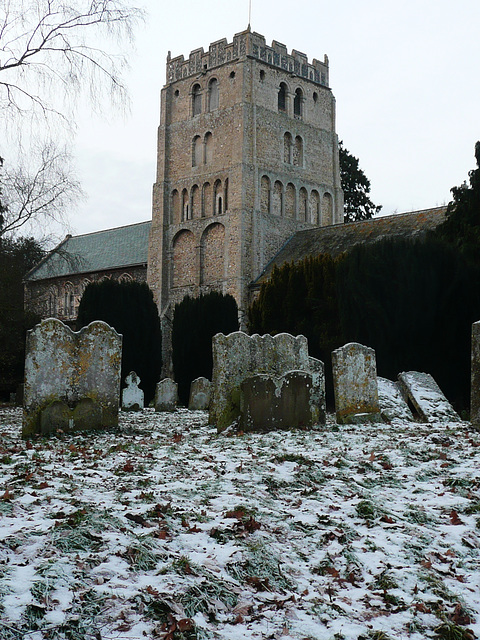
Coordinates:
[392,403]
[426,397]
[166,395]
[355,384]
[72,380]
[475,380]
[268,403]
[200,392]
[132,395]
[238,356]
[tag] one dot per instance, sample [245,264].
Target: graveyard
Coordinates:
[175,523]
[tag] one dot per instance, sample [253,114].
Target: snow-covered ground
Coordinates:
[164,529]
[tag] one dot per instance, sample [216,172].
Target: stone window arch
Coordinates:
[52,302]
[314,206]
[287,148]
[212,254]
[197,151]
[277,199]
[68,300]
[213,95]
[208,147]
[125,277]
[290,201]
[184,259]
[282,97]
[185,206]
[303,205]
[195,205]
[207,205]
[327,209]
[265,194]
[218,204]
[298,103]
[175,204]
[298,152]
[196,99]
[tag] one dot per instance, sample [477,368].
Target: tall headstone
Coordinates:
[133,397]
[475,380]
[200,394]
[166,395]
[426,397]
[269,403]
[72,380]
[238,356]
[355,384]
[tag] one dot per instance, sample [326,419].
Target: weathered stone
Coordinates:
[166,395]
[475,379]
[355,384]
[268,403]
[426,397]
[392,403]
[132,395]
[200,394]
[72,380]
[239,356]
[19,395]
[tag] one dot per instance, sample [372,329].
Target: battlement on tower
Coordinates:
[247,44]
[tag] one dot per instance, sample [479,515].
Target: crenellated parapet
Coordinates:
[247,44]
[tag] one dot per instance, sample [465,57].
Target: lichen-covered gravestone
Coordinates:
[72,380]
[268,403]
[355,384]
[132,396]
[166,395]
[475,381]
[393,405]
[200,394]
[426,397]
[238,356]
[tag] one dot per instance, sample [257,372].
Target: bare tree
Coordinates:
[55,48]
[38,189]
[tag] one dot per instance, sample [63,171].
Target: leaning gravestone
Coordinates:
[72,380]
[475,380]
[355,384]
[200,393]
[132,395]
[238,356]
[393,405]
[268,402]
[166,395]
[426,397]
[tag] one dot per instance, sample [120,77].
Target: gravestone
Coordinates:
[72,380]
[132,395]
[426,397]
[268,403]
[393,405]
[200,393]
[475,380]
[238,356]
[166,395]
[355,384]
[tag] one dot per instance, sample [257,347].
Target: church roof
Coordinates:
[338,238]
[99,251]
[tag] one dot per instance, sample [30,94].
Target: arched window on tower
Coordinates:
[298,152]
[185,206]
[282,97]
[287,148]
[197,151]
[196,100]
[298,103]
[217,198]
[213,94]
[208,145]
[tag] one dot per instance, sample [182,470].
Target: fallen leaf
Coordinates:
[454,519]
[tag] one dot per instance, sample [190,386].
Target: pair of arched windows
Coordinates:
[292,150]
[212,97]
[202,150]
[297,100]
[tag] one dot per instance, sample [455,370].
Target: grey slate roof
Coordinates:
[339,238]
[99,251]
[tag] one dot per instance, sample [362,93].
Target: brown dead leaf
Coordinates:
[454,519]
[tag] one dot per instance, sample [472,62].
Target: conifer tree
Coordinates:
[356,188]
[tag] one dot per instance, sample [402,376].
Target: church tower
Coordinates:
[247,156]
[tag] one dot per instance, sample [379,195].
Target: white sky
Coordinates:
[405,77]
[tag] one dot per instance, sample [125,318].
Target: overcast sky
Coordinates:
[405,76]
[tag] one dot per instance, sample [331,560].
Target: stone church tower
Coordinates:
[247,156]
